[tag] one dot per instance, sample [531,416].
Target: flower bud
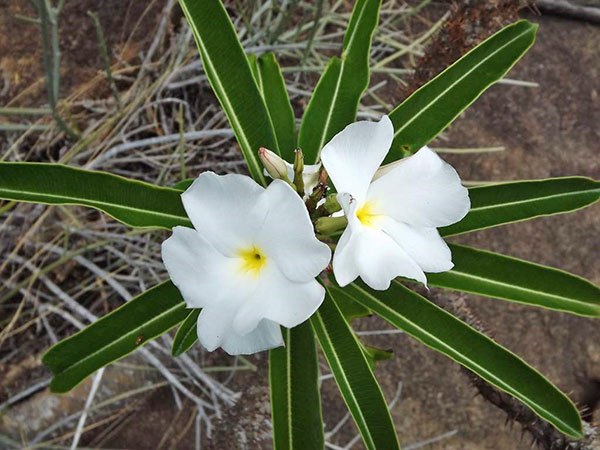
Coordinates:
[298,171]
[329,225]
[331,204]
[274,165]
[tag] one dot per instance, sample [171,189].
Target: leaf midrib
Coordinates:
[78,201]
[342,372]
[229,108]
[330,111]
[534,199]
[459,80]
[186,333]
[288,374]
[232,114]
[483,370]
[339,81]
[115,342]
[522,289]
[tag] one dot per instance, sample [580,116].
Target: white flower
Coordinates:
[250,263]
[393,214]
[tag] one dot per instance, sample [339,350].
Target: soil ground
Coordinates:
[548,131]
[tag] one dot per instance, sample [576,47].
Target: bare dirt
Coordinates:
[124,25]
[548,131]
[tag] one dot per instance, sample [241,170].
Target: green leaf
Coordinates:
[375,354]
[353,310]
[114,336]
[131,202]
[186,335]
[502,203]
[444,333]
[295,398]
[229,74]
[334,102]
[272,86]
[431,108]
[353,375]
[183,184]
[493,275]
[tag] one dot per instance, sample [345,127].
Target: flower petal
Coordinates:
[370,253]
[201,273]
[278,299]
[215,330]
[266,335]
[287,235]
[423,191]
[424,245]
[354,154]
[227,209]
[345,268]
[214,323]
[379,260]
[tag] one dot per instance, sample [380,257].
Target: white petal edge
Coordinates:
[370,253]
[266,335]
[287,235]
[278,299]
[422,191]
[215,330]
[345,269]
[424,245]
[227,209]
[200,272]
[353,156]
[379,260]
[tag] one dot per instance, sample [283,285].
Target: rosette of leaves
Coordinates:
[252,92]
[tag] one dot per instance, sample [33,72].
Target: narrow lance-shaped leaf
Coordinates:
[431,108]
[446,334]
[334,102]
[295,398]
[183,184]
[132,202]
[352,309]
[376,354]
[272,86]
[187,334]
[353,375]
[114,336]
[493,275]
[293,369]
[229,74]
[502,203]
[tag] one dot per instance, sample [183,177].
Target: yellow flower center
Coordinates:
[367,215]
[252,260]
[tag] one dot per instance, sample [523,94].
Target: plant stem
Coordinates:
[51,58]
[106,57]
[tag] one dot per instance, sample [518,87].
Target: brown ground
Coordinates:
[547,131]
[124,25]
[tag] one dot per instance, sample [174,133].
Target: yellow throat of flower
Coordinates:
[252,260]
[367,215]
